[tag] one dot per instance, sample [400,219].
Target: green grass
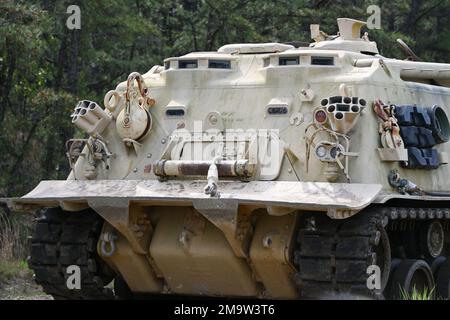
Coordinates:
[13,269]
[426,294]
[16,282]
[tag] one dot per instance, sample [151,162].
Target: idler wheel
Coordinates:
[443,281]
[436,265]
[410,275]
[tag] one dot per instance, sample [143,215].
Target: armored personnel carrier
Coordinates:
[261,170]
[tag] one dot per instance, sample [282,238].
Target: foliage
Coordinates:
[13,269]
[425,294]
[14,237]
[45,68]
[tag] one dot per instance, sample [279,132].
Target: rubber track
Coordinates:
[60,240]
[332,256]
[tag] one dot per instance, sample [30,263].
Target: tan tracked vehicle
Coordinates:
[260,170]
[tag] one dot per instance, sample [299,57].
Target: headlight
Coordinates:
[334,152]
[328,152]
[321,151]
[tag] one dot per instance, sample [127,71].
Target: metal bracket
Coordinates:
[133,224]
[225,215]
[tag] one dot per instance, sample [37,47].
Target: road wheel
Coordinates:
[436,265]
[443,281]
[410,275]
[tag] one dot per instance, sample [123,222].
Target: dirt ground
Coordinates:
[22,289]
[19,285]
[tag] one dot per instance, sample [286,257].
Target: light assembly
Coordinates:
[328,152]
[336,151]
[320,116]
[321,151]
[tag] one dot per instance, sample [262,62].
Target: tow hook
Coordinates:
[213,179]
[108,238]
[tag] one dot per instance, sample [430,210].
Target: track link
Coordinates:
[333,255]
[60,240]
